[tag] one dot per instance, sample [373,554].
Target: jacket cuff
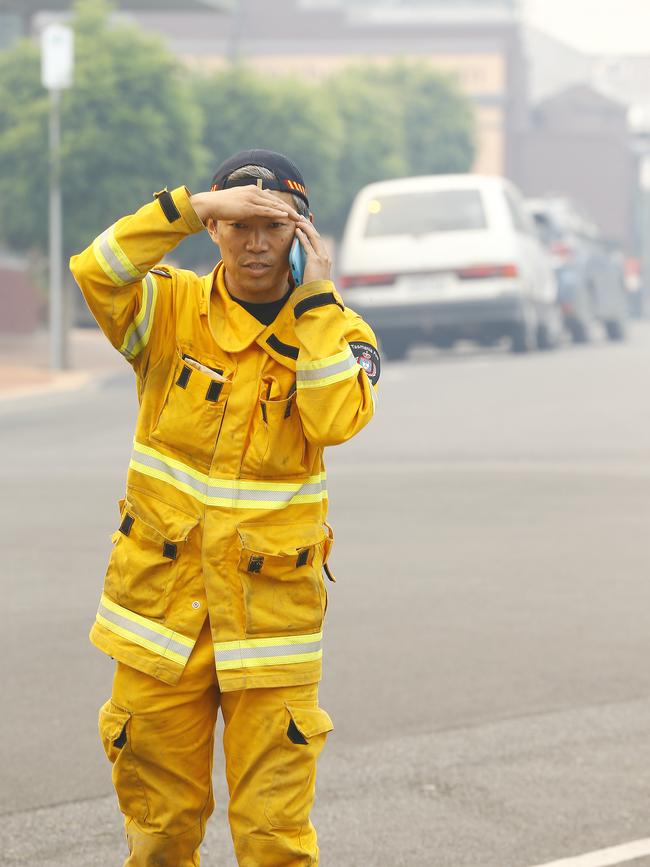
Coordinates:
[318,293]
[176,206]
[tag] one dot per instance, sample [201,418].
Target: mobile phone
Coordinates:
[297,262]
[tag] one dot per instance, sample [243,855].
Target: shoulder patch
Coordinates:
[161,272]
[368,358]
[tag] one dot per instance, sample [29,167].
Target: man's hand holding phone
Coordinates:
[318,263]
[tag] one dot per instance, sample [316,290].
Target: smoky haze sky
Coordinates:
[595,26]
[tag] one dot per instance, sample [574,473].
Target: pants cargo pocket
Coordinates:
[115,726]
[291,794]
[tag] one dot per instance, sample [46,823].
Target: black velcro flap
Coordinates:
[169,550]
[302,558]
[285,349]
[315,301]
[255,563]
[127,523]
[295,735]
[214,390]
[121,739]
[184,376]
[169,206]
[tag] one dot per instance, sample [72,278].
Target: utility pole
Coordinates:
[57,65]
[237,21]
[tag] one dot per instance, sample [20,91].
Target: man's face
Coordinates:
[255,254]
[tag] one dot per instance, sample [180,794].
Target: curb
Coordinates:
[63,382]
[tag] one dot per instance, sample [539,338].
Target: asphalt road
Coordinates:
[488,641]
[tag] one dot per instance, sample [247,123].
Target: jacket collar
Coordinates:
[234,328]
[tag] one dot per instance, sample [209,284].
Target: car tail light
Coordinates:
[562,250]
[349,281]
[481,272]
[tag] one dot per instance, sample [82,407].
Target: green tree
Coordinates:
[374,145]
[243,110]
[130,126]
[437,119]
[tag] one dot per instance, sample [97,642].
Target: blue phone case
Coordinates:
[297,262]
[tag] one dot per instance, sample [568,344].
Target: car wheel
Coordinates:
[394,346]
[579,330]
[524,337]
[444,342]
[615,329]
[545,338]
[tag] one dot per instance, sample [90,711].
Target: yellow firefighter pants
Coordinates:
[160,739]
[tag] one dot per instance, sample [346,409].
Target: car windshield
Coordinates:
[425,212]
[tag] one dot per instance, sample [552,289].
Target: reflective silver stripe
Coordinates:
[265,652]
[323,372]
[120,270]
[231,492]
[138,629]
[139,336]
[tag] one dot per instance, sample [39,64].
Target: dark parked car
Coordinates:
[589,270]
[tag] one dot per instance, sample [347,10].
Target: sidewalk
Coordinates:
[25,370]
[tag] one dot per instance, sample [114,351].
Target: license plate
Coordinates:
[432,285]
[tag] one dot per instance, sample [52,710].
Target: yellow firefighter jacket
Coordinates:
[226,499]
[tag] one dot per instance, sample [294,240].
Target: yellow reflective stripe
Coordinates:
[228,493]
[144,632]
[138,333]
[165,631]
[240,643]
[113,260]
[256,652]
[138,639]
[324,362]
[270,660]
[179,465]
[126,263]
[241,484]
[103,264]
[329,380]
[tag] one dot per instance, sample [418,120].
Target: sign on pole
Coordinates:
[57,57]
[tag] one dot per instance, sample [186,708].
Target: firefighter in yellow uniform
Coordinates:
[214,594]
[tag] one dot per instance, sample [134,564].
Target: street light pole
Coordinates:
[58,335]
[57,64]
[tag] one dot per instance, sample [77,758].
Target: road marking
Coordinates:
[605,857]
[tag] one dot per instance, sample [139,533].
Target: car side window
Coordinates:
[520,219]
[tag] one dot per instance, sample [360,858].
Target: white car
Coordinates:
[447,257]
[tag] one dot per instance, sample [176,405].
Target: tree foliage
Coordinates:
[363,124]
[243,110]
[434,119]
[135,120]
[128,122]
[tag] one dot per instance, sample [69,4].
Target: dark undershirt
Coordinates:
[265,311]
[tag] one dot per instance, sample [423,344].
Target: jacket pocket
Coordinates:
[277,446]
[291,794]
[148,553]
[191,416]
[115,733]
[280,571]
